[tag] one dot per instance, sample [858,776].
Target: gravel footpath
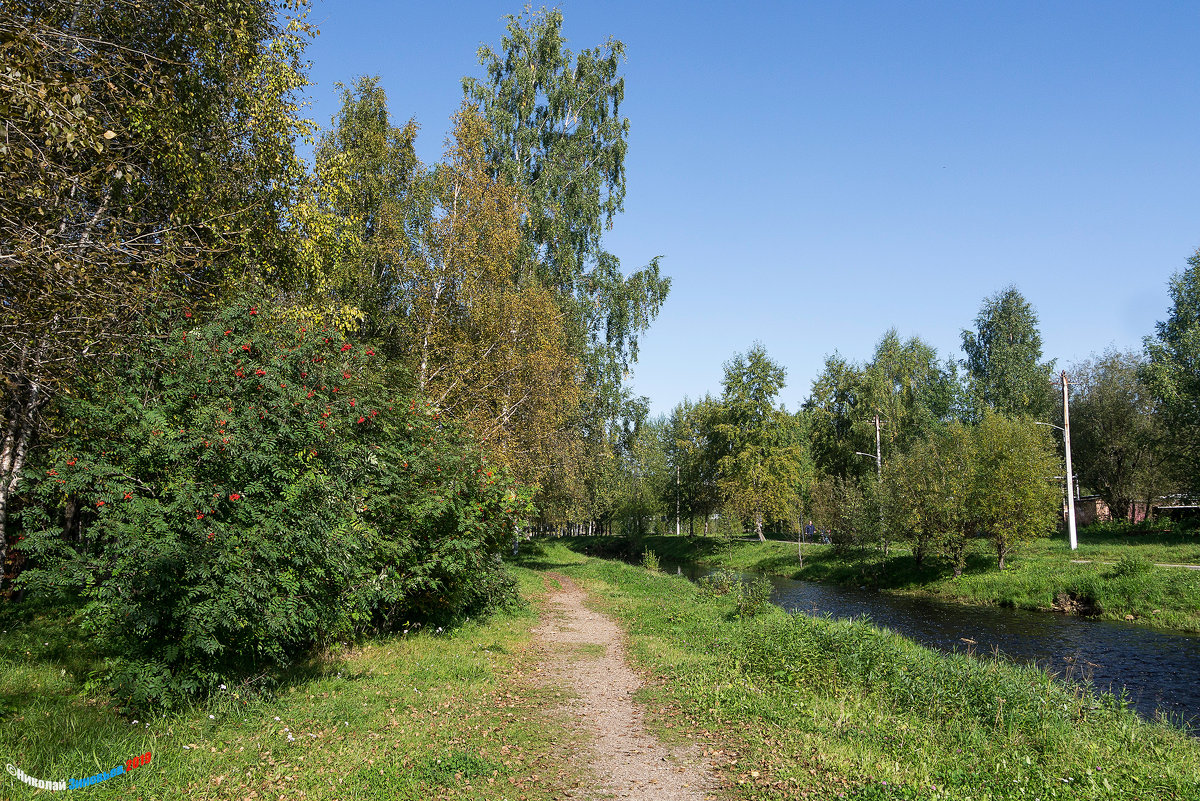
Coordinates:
[625,760]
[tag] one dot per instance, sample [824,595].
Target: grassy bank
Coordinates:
[797,707]
[788,707]
[1119,582]
[426,715]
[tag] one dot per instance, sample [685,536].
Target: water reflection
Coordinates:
[1159,670]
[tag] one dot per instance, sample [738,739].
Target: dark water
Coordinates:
[1158,670]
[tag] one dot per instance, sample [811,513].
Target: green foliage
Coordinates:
[557,131]
[557,134]
[856,521]
[1003,353]
[1173,373]
[354,218]
[691,451]
[751,596]
[147,158]
[650,561]
[929,495]
[1117,433]
[1014,494]
[640,486]
[763,462]
[149,155]
[1132,565]
[254,488]
[994,478]
[717,583]
[903,384]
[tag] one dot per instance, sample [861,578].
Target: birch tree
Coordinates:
[146,157]
[1173,373]
[556,132]
[1004,367]
[487,342]
[760,464]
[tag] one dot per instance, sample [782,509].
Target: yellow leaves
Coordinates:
[110,135]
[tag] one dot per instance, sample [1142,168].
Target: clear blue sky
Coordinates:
[814,173]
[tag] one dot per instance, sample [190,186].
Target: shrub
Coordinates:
[753,596]
[717,583]
[252,489]
[650,561]
[1131,565]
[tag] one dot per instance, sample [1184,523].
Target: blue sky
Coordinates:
[815,173]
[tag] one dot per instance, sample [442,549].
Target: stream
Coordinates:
[1158,670]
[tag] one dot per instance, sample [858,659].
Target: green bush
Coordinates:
[251,490]
[717,583]
[1131,565]
[650,561]
[752,596]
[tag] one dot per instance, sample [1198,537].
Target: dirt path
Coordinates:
[625,760]
[1156,564]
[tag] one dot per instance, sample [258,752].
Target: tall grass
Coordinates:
[819,706]
[428,714]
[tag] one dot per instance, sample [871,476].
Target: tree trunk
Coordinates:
[1121,509]
[71,527]
[19,426]
[758,526]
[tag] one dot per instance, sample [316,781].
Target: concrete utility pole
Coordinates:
[878,453]
[1070,475]
[677,501]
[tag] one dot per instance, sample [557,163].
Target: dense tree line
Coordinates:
[252,406]
[939,454]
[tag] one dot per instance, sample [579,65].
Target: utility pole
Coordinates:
[676,500]
[1070,475]
[878,453]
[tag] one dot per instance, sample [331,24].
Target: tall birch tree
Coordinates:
[557,134]
[146,156]
[1174,372]
[761,464]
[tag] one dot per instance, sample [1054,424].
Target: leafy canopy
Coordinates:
[1004,367]
[254,488]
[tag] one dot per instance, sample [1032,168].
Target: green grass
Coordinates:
[785,705]
[1039,576]
[795,707]
[421,716]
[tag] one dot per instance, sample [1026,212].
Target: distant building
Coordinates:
[1092,509]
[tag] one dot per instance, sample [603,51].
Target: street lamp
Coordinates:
[877,456]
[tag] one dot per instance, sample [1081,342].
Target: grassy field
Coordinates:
[799,707]
[1119,583]
[786,707]
[426,715]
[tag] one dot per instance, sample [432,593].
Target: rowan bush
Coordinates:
[252,489]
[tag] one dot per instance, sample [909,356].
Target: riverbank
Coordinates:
[773,706]
[423,715]
[1121,583]
[790,706]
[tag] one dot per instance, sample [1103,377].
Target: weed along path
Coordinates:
[586,653]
